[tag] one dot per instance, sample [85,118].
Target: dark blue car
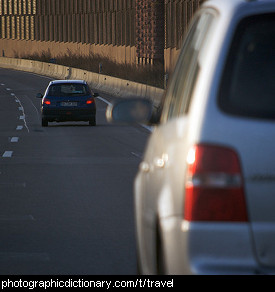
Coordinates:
[68,100]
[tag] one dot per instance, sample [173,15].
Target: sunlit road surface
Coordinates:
[65,190]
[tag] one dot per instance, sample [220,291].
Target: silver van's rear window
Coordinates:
[248,81]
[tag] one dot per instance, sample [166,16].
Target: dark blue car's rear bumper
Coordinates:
[68,114]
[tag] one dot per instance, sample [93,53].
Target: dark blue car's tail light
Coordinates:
[46,101]
[90,101]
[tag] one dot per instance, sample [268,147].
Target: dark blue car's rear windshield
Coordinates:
[68,89]
[248,82]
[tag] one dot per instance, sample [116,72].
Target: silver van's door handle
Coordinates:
[160,162]
[144,166]
[157,163]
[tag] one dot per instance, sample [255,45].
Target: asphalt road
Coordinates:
[65,190]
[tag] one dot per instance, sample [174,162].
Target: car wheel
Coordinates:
[92,122]
[44,123]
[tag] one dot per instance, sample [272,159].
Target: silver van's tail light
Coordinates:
[214,186]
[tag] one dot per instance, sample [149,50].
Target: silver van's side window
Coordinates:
[181,87]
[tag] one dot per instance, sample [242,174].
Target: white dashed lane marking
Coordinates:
[7,154]
[19,128]
[14,139]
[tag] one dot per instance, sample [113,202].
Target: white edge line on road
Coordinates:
[104,100]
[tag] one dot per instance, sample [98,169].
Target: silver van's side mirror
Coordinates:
[130,110]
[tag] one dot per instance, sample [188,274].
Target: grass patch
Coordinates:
[152,75]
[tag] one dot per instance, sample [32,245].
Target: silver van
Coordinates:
[205,190]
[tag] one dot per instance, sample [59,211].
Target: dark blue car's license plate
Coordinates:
[68,103]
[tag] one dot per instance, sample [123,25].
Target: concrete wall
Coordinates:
[114,86]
